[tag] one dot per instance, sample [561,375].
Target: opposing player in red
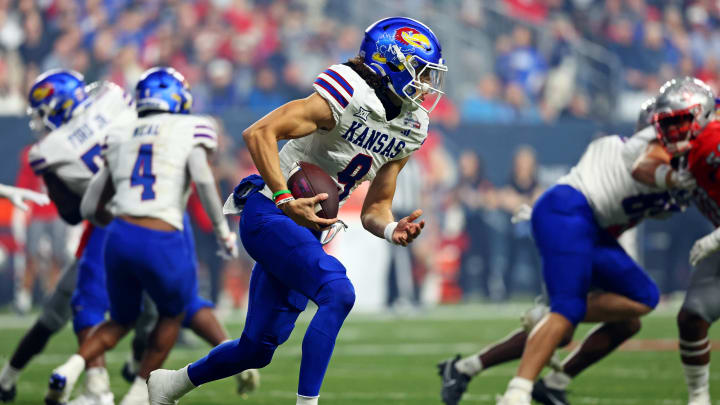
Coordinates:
[689,137]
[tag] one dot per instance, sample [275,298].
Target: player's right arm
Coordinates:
[653,168]
[296,119]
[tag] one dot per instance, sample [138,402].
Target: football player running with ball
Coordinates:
[362,123]
[150,163]
[688,132]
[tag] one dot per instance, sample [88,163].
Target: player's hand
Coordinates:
[407,229]
[682,179]
[303,212]
[18,196]
[228,247]
[678,148]
[522,214]
[704,247]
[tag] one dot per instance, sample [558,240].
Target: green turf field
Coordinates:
[390,360]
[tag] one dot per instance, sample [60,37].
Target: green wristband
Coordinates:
[277,193]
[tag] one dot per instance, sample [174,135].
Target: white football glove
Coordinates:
[682,179]
[18,196]
[228,247]
[704,247]
[523,213]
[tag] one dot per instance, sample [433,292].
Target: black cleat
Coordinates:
[127,374]
[454,383]
[548,396]
[7,395]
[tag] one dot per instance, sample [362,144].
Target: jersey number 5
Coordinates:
[358,167]
[142,172]
[89,158]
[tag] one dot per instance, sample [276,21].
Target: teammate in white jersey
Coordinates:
[73,119]
[362,123]
[149,166]
[575,225]
[457,372]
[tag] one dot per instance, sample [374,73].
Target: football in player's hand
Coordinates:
[308,180]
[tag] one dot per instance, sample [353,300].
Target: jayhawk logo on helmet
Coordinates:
[43,91]
[54,97]
[411,36]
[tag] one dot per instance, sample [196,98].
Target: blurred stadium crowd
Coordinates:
[534,62]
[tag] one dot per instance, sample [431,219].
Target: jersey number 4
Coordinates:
[142,172]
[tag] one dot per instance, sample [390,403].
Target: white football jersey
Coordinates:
[72,151]
[604,176]
[362,141]
[148,164]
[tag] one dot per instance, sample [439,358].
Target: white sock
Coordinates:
[470,365]
[698,379]
[181,383]
[557,380]
[138,388]
[72,368]
[9,376]
[302,400]
[97,380]
[519,388]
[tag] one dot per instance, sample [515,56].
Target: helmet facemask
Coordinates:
[427,78]
[675,129]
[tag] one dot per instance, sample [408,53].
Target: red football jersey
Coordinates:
[704,164]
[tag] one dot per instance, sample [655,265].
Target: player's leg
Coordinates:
[457,372]
[166,271]
[26,275]
[125,296]
[565,232]
[294,255]
[55,315]
[294,260]
[272,311]
[335,299]
[628,293]
[143,328]
[599,342]
[90,303]
[200,318]
[700,309]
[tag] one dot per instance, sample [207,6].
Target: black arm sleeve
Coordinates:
[67,202]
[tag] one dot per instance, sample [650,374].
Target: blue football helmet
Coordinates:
[163,89]
[53,98]
[408,55]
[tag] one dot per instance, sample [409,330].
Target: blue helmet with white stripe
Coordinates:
[163,89]
[408,55]
[54,97]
